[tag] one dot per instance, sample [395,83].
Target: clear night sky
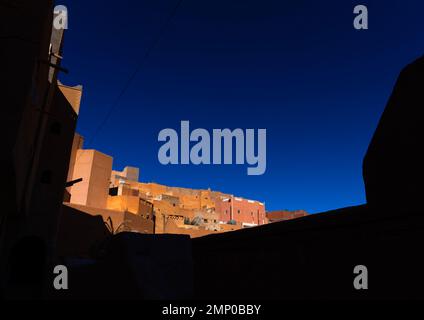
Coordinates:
[297,68]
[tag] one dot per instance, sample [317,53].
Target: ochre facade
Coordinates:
[105,192]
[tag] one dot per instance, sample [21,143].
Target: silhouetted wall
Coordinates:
[393,167]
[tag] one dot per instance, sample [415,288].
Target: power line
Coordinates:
[155,41]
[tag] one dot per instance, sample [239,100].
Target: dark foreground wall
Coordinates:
[393,166]
[314,257]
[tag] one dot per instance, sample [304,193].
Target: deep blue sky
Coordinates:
[297,68]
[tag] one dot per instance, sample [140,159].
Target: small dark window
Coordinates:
[113,191]
[238,211]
